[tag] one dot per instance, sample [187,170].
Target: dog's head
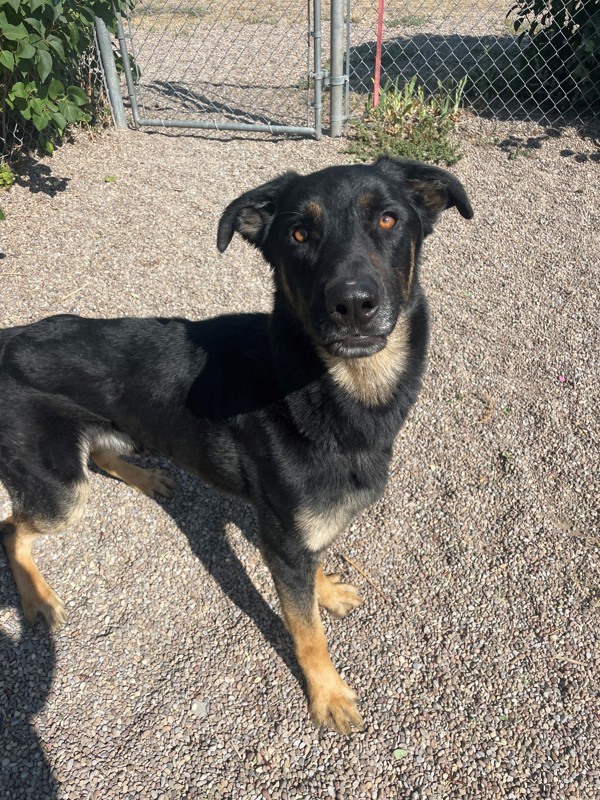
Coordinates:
[344,244]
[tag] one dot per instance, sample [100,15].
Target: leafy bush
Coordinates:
[42,46]
[410,123]
[7,176]
[561,59]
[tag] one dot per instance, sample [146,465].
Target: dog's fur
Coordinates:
[296,410]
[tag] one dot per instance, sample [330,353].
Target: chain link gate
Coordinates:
[244,65]
[256,65]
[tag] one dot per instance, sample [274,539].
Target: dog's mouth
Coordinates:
[358,346]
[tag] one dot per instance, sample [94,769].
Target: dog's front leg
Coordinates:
[332,701]
[294,569]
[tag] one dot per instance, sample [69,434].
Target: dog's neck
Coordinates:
[373,380]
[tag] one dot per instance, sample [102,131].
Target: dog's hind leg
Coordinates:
[37,597]
[151,482]
[42,469]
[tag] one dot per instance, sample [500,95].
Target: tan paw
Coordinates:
[156,482]
[49,606]
[334,704]
[337,597]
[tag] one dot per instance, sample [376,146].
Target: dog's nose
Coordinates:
[352,302]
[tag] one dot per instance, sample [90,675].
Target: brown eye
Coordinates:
[300,235]
[387,222]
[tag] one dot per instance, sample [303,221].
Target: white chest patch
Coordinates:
[320,528]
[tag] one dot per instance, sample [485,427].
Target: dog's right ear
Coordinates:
[252,213]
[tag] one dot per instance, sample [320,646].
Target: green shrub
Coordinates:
[562,59]
[42,46]
[410,123]
[7,176]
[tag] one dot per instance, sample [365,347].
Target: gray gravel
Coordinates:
[478,670]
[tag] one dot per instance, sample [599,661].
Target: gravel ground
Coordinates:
[476,657]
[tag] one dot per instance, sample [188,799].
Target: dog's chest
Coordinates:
[323,517]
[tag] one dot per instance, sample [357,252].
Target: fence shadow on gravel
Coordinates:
[515,146]
[26,671]
[181,96]
[431,56]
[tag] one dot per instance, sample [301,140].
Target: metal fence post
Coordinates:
[336,71]
[128,73]
[107,61]
[318,73]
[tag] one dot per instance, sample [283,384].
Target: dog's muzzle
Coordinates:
[352,305]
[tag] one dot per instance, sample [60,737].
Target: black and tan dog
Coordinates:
[295,411]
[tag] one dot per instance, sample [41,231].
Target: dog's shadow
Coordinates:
[202,514]
[26,670]
[27,663]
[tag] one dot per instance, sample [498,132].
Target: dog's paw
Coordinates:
[49,606]
[333,704]
[156,483]
[337,597]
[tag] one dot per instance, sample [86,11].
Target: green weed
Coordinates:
[7,176]
[408,21]
[410,123]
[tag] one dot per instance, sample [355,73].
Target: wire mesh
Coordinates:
[18,135]
[234,61]
[509,75]
[15,135]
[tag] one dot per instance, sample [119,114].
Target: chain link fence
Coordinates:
[252,62]
[256,64]
[222,63]
[518,65]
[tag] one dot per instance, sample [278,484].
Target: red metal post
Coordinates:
[377,75]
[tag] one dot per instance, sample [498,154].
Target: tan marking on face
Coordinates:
[411,272]
[287,289]
[367,201]
[314,210]
[320,528]
[372,380]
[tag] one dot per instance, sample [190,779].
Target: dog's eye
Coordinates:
[387,221]
[300,234]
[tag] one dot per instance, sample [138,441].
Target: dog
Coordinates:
[295,411]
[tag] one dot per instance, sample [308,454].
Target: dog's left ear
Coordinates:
[433,188]
[252,213]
